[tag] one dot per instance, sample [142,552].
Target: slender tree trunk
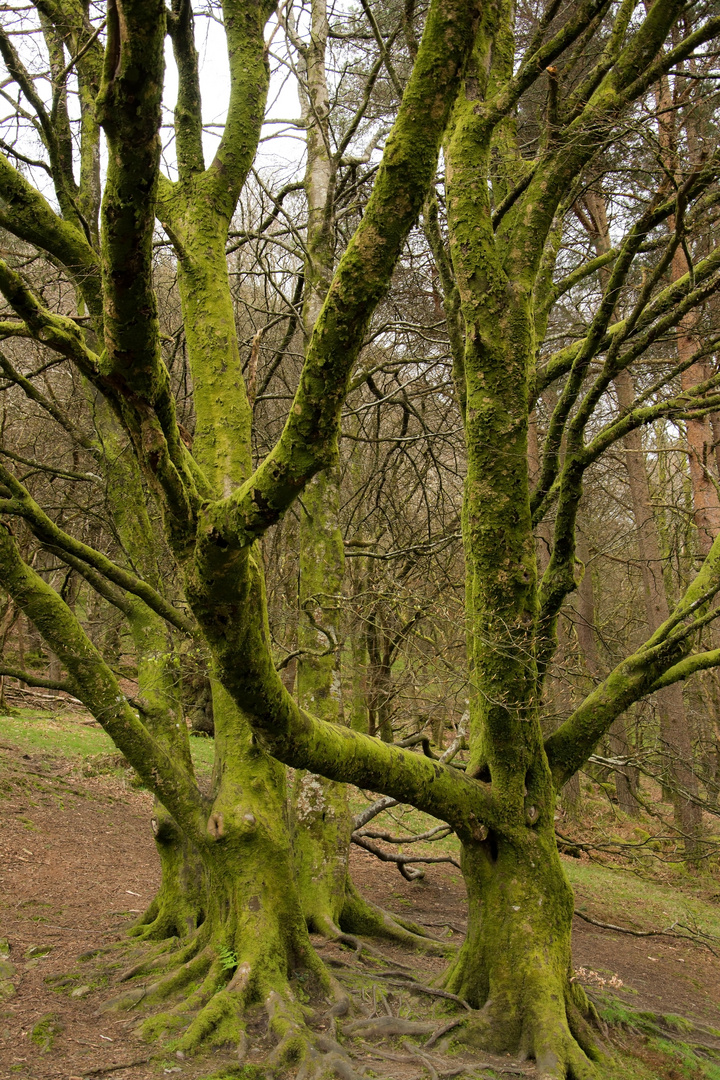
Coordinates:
[675,740]
[617,736]
[357,706]
[676,744]
[320,812]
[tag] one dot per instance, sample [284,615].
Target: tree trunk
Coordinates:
[253,940]
[515,964]
[619,746]
[357,707]
[380,680]
[180,903]
[676,744]
[321,821]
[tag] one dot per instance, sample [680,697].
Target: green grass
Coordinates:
[644,904]
[666,1039]
[35,732]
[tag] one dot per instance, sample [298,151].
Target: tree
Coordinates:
[510,182]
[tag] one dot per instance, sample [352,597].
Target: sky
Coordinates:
[279,152]
[278,149]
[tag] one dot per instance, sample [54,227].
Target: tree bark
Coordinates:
[617,736]
[517,894]
[676,744]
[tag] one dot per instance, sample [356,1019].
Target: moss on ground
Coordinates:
[45,1031]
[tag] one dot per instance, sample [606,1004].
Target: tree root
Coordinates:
[218,1023]
[560,1036]
[451,1024]
[419,988]
[215,1006]
[211,1005]
[328,929]
[565,1061]
[169,915]
[360,916]
[170,954]
[382,1026]
[155,924]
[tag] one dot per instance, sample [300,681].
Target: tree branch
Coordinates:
[52,535]
[98,689]
[309,439]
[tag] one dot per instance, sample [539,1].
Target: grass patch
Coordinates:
[45,1032]
[68,735]
[615,896]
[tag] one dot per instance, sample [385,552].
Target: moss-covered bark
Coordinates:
[320,815]
[253,939]
[515,963]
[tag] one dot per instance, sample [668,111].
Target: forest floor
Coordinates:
[78,864]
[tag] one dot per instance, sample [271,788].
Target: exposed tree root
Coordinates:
[559,1032]
[329,930]
[443,1030]
[226,985]
[360,916]
[419,988]
[212,1004]
[171,953]
[383,1026]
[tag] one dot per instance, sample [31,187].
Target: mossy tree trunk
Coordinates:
[252,936]
[249,859]
[320,813]
[180,904]
[321,817]
[515,964]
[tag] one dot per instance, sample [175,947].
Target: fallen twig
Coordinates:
[412,984]
[114,1068]
[443,1031]
[698,939]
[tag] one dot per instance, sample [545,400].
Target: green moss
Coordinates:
[161,1025]
[45,1032]
[683,1061]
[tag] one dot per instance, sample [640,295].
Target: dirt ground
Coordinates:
[78,863]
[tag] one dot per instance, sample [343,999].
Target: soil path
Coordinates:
[77,863]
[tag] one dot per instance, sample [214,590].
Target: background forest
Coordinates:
[368,570]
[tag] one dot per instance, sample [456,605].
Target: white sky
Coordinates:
[276,150]
[280,153]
